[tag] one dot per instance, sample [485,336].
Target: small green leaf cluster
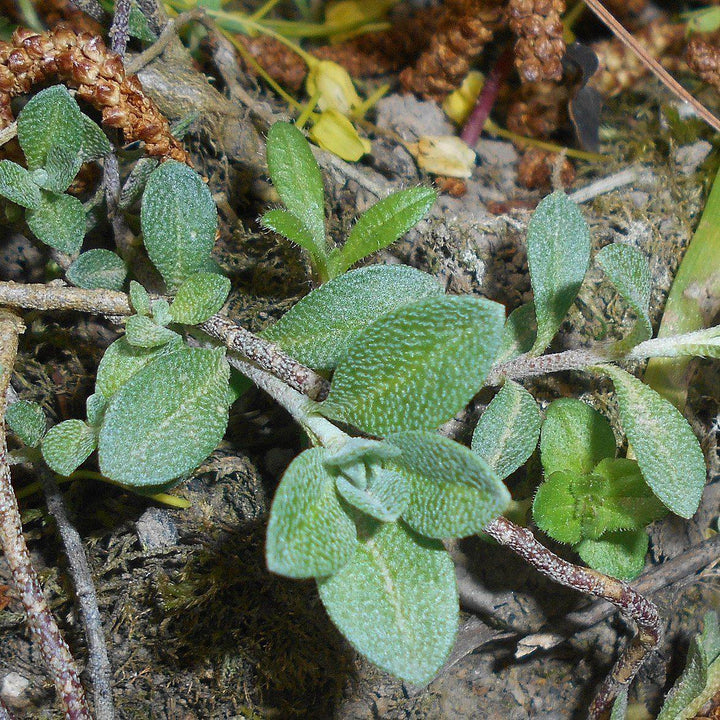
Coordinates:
[297,179]
[56,139]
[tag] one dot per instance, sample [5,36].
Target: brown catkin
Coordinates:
[704,60]
[536,168]
[463,30]
[82,61]
[540,46]
[538,109]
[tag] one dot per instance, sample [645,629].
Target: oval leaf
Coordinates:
[417,366]
[453,492]
[17,185]
[141,331]
[665,446]
[318,330]
[98,269]
[519,333]
[166,419]
[67,445]
[59,221]
[382,224]
[555,508]
[508,430]
[199,298]
[309,533]
[179,221]
[619,554]
[396,602]
[558,252]
[27,420]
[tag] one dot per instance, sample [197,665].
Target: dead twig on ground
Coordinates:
[43,628]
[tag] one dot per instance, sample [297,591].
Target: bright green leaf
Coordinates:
[619,554]
[59,221]
[666,448]
[51,118]
[27,420]
[143,332]
[309,533]
[574,437]
[558,252]
[416,366]
[396,602]
[454,493]
[628,270]
[67,445]
[297,179]
[508,431]
[199,298]
[179,220]
[95,407]
[381,225]
[555,508]
[166,419]
[17,185]
[318,330]
[288,225]
[98,269]
[160,311]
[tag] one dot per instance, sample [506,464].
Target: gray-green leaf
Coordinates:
[139,298]
[318,330]
[166,419]
[67,445]
[297,179]
[16,184]
[453,492]
[574,437]
[27,420]
[558,251]
[179,220]
[385,498]
[309,533]
[98,269]
[52,117]
[628,270]
[143,332]
[396,602]
[416,366]
[59,221]
[519,333]
[61,166]
[199,297]
[666,448]
[508,431]
[94,141]
[381,225]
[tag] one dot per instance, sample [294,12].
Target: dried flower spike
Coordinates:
[82,61]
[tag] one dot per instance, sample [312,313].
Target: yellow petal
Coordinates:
[347,13]
[334,132]
[333,86]
[459,104]
[444,155]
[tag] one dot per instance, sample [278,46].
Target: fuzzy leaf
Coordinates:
[288,225]
[416,366]
[143,332]
[179,221]
[619,709]
[519,333]
[166,419]
[628,270]
[59,221]
[95,407]
[27,420]
[309,533]
[297,179]
[199,297]
[98,269]
[16,184]
[574,437]
[51,118]
[700,679]
[318,330]
[95,144]
[385,498]
[61,167]
[453,492]
[554,508]
[381,225]
[396,602]
[139,298]
[67,445]
[666,448]
[121,361]
[508,430]
[699,343]
[619,554]
[558,252]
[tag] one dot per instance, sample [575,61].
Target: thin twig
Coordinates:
[651,64]
[629,176]
[8,133]
[119,29]
[633,605]
[43,628]
[98,663]
[526,366]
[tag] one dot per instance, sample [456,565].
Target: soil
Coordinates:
[196,625]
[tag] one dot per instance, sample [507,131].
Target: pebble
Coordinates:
[156,529]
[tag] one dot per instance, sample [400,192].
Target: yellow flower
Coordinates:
[444,155]
[333,87]
[334,132]
[459,104]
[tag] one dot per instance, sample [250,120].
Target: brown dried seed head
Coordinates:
[704,60]
[536,167]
